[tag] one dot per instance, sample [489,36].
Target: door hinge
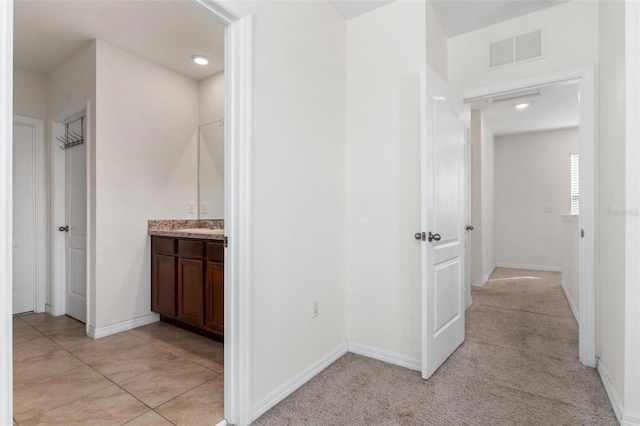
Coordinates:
[582,233]
[226,242]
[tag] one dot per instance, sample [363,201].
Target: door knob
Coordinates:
[64,228]
[434,237]
[469,228]
[419,236]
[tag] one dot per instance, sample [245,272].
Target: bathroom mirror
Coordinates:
[211,147]
[211,170]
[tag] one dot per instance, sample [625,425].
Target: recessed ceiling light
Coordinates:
[200,60]
[522,106]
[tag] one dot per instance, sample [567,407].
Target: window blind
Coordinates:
[575,183]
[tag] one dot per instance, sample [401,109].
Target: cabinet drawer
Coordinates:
[215,251]
[164,245]
[189,248]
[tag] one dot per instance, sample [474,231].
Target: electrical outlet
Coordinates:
[191,207]
[315,308]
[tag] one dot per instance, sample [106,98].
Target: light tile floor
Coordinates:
[153,375]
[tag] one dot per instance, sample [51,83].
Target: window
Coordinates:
[575,183]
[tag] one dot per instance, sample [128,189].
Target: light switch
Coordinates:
[204,207]
[191,207]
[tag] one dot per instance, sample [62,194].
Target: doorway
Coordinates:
[237,269]
[70,196]
[29,215]
[520,93]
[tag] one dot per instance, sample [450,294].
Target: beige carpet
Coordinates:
[518,366]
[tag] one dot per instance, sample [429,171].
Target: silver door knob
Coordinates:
[419,236]
[64,228]
[434,237]
[469,227]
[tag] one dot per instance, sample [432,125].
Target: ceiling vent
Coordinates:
[513,50]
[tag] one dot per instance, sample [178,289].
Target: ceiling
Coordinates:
[463,16]
[47,33]
[169,32]
[350,9]
[557,107]
[456,16]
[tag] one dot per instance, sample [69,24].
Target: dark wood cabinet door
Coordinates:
[214,297]
[190,291]
[163,284]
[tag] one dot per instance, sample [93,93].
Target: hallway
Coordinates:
[518,365]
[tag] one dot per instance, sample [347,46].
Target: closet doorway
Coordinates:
[29,215]
[70,195]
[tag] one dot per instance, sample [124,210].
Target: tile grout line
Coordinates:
[177,396]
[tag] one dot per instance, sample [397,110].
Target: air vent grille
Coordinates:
[519,48]
[501,53]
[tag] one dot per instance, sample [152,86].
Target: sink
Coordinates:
[204,231]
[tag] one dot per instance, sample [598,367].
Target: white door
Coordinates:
[24,197]
[76,233]
[443,215]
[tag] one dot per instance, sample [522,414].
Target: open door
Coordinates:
[443,215]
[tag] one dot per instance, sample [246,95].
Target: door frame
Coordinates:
[40,211]
[587,149]
[238,62]
[6,212]
[237,180]
[58,209]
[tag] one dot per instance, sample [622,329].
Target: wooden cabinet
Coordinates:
[214,296]
[190,291]
[187,283]
[163,272]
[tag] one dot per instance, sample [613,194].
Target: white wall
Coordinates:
[146,156]
[483,199]
[29,94]
[435,42]
[611,170]
[385,49]
[632,247]
[532,176]
[298,192]
[572,41]
[570,277]
[69,85]
[619,193]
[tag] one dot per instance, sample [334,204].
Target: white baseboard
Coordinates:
[485,278]
[290,386]
[100,332]
[530,267]
[222,422]
[47,308]
[572,305]
[389,357]
[625,418]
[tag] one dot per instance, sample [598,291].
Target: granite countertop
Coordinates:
[211,229]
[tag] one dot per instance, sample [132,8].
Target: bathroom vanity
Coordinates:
[187,278]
